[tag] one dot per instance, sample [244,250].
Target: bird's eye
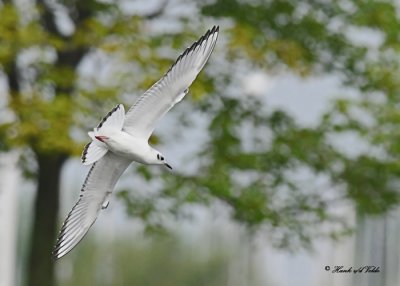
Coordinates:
[158,156]
[162,158]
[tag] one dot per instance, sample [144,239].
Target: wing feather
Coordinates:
[99,183]
[142,117]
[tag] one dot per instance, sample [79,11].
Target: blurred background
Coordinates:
[285,152]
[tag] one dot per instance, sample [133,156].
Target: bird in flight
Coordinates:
[121,138]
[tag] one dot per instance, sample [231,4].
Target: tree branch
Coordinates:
[47,19]
[13,78]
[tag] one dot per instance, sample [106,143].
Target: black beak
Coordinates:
[167,165]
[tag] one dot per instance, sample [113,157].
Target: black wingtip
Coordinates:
[84,153]
[210,32]
[215,29]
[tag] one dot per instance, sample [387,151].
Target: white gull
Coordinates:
[122,138]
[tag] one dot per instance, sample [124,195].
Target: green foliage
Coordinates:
[317,37]
[14,37]
[38,119]
[289,35]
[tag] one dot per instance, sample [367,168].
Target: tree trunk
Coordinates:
[40,263]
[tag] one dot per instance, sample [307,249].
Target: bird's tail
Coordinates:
[96,149]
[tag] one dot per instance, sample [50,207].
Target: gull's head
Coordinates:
[161,160]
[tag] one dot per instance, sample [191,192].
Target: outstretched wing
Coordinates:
[98,185]
[171,88]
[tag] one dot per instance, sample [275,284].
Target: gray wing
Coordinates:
[98,185]
[171,88]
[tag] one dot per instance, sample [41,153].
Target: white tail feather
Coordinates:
[96,149]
